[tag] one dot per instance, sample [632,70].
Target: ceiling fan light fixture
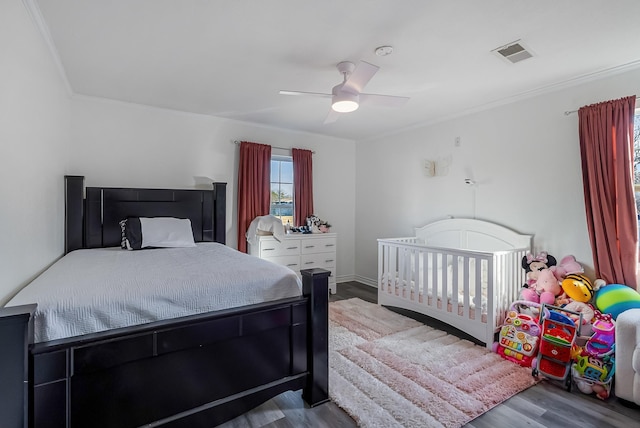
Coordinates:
[345,102]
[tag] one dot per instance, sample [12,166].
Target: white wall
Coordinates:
[34,135]
[525,157]
[120,144]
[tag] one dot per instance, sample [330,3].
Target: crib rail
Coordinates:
[470,290]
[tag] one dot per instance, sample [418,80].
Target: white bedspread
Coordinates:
[93,290]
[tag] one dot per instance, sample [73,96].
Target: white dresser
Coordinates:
[300,251]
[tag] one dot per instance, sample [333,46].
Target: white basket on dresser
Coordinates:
[300,251]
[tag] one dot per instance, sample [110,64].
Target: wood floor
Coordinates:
[544,405]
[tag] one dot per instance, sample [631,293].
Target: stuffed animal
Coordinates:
[567,265]
[548,286]
[313,223]
[587,311]
[578,287]
[532,266]
[546,289]
[614,299]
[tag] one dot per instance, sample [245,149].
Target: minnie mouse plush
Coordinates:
[532,266]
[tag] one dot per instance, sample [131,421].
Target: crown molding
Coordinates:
[554,87]
[34,12]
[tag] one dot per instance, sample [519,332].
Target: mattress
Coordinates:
[93,290]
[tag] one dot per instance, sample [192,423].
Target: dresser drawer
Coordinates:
[272,248]
[321,260]
[318,245]
[292,262]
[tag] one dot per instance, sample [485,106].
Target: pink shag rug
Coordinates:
[387,370]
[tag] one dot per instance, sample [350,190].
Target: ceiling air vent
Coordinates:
[513,52]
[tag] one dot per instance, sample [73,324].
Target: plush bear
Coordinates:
[545,289]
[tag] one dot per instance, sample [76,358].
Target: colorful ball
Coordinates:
[614,299]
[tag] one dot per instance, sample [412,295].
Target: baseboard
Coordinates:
[344,278]
[357,278]
[366,281]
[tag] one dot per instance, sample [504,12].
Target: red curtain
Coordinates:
[606,146]
[254,194]
[302,185]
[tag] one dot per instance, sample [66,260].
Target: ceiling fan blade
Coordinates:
[332,116]
[315,94]
[360,77]
[383,100]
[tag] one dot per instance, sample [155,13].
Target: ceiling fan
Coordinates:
[347,96]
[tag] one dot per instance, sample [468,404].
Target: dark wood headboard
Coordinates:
[93,221]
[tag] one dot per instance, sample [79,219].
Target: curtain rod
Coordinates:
[237,143]
[569,112]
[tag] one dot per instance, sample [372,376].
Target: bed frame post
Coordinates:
[315,286]
[219,212]
[73,212]
[16,333]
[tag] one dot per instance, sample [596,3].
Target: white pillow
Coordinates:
[166,232]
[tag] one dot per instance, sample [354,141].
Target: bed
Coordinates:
[464,272]
[180,368]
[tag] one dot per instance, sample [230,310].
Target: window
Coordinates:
[282,188]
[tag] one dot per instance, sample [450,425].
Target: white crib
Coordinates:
[463,272]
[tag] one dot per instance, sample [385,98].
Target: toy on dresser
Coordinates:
[314,224]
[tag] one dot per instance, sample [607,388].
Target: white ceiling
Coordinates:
[229,58]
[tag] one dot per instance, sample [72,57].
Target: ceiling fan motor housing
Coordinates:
[344,101]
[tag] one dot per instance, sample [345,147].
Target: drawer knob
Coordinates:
[309,246]
[309,263]
[292,264]
[329,245]
[292,248]
[268,249]
[328,261]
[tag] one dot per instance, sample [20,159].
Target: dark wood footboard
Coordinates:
[196,371]
[16,333]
